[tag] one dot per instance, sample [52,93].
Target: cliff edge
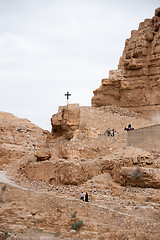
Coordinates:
[136,83]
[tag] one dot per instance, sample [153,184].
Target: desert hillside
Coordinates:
[41,185]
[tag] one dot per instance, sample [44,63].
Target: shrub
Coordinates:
[77,225]
[4,188]
[57,234]
[148,199]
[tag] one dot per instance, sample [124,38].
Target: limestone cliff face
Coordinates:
[136,83]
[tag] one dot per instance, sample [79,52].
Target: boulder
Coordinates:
[140,176]
[66,121]
[42,155]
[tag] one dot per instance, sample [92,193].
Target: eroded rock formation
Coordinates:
[142,177]
[136,83]
[18,136]
[66,121]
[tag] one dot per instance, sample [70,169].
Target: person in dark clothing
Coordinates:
[112,132]
[129,128]
[86,197]
[108,132]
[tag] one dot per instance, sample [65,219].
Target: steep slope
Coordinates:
[18,137]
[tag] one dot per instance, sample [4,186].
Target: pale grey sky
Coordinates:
[49,47]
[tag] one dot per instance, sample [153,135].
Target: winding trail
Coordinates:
[5,180]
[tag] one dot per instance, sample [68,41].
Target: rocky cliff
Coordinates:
[18,136]
[136,83]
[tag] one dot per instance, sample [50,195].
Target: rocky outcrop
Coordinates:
[59,172]
[18,137]
[78,171]
[136,83]
[141,177]
[109,93]
[66,121]
[42,154]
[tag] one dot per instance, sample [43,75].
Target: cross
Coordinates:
[67,95]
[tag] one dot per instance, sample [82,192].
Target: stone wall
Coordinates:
[147,138]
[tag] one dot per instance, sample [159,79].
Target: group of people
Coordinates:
[84,198]
[109,132]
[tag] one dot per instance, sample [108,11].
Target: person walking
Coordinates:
[86,197]
[82,196]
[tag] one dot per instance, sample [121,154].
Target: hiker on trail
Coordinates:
[112,132]
[108,132]
[86,197]
[82,196]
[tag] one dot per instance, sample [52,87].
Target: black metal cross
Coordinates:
[67,95]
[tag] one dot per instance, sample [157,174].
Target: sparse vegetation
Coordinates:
[57,234]
[136,173]
[4,188]
[77,225]
[37,230]
[5,233]
[148,199]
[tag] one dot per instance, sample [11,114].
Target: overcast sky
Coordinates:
[49,47]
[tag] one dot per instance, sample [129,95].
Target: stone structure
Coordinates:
[146,138]
[136,83]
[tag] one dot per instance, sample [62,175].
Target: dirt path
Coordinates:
[5,180]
